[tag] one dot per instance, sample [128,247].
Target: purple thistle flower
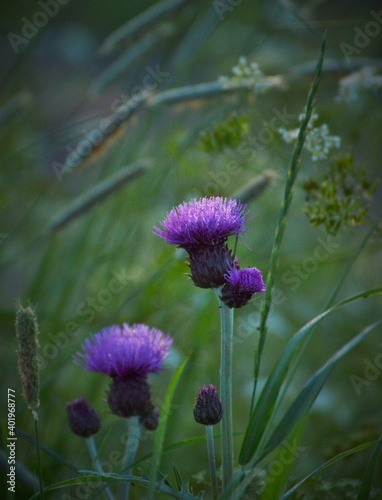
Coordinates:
[207,221]
[240,285]
[125,351]
[127,354]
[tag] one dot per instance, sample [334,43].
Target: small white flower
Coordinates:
[318,140]
[246,75]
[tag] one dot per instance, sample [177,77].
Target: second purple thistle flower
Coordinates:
[202,228]
[203,222]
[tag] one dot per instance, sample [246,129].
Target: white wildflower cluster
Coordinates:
[246,75]
[351,86]
[318,140]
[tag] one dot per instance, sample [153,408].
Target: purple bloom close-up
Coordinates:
[207,221]
[125,351]
[248,279]
[240,285]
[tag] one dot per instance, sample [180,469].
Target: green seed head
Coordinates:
[27,338]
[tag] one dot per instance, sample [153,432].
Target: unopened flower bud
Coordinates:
[208,409]
[83,420]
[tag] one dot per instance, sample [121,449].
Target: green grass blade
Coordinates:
[280,229]
[310,391]
[161,431]
[332,461]
[275,482]
[367,480]
[263,410]
[329,303]
[91,477]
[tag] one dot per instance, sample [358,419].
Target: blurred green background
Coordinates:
[54,92]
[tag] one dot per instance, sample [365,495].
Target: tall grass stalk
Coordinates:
[280,229]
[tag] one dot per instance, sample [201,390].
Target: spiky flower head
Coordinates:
[127,354]
[125,351]
[241,285]
[206,221]
[83,420]
[27,337]
[208,409]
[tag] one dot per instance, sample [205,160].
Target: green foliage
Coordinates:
[228,134]
[340,196]
[79,243]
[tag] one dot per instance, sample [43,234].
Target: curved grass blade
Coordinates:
[367,480]
[161,431]
[275,481]
[330,462]
[91,477]
[309,393]
[265,405]
[329,303]
[144,21]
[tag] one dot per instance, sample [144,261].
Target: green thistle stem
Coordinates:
[130,452]
[93,454]
[212,460]
[226,321]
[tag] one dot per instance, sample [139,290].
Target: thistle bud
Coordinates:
[208,409]
[83,420]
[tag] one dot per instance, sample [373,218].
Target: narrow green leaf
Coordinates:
[263,410]
[330,462]
[293,171]
[368,476]
[91,477]
[178,477]
[161,431]
[276,480]
[309,393]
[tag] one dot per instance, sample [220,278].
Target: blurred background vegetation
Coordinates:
[54,92]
